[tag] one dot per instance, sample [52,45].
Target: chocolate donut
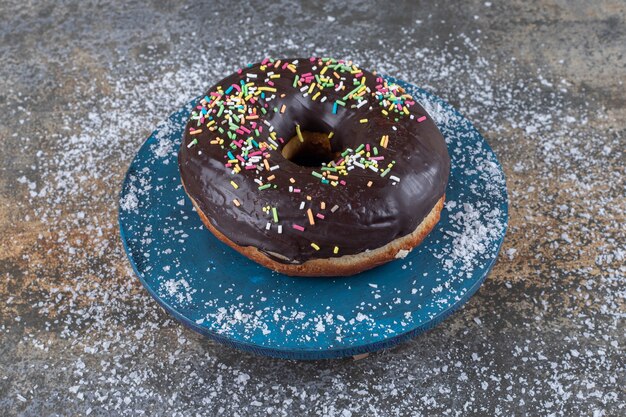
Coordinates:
[314,166]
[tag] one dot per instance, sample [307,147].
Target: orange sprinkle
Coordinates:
[236,202]
[271,177]
[283,107]
[310,214]
[369,184]
[195,132]
[323,205]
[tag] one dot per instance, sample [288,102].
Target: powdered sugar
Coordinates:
[548,337]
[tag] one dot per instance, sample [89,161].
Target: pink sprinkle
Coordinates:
[250,166]
[296,190]
[202,120]
[312,59]
[243,161]
[236,87]
[319,216]
[298,227]
[229,165]
[215,94]
[245,129]
[240,70]
[239,131]
[421,119]
[377,158]
[367,147]
[342,182]
[252,100]
[255,153]
[260,129]
[285,65]
[270,83]
[358,75]
[264,61]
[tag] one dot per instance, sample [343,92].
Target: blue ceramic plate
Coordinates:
[221,294]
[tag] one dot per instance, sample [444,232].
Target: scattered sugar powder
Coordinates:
[118,353]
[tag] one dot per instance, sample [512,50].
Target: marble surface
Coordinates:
[83,83]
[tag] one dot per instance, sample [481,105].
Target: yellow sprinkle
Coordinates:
[236,202]
[311,88]
[275,76]
[310,214]
[234,184]
[316,95]
[363,121]
[330,135]
[308,197]
[270,89]
[299,133]
[315,246]
[336,250]
[323,205]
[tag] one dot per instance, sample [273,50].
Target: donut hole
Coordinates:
[312,151]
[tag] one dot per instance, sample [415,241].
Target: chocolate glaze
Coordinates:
[367,217]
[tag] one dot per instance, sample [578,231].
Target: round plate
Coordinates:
[216,291]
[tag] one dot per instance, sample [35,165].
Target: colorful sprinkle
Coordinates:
[299,133]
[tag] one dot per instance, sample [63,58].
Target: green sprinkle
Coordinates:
[264,186]
[275,214]
[317,174]
[295,80]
